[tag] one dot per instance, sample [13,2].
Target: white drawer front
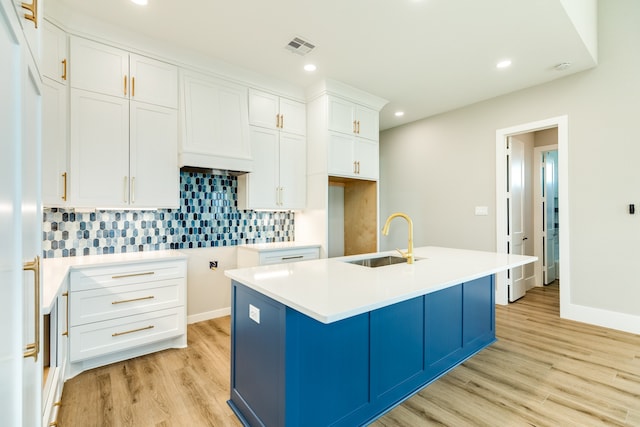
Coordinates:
[126,274]
[288,255]
[97,339]
[108,303]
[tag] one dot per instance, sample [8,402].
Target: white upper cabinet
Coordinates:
[55,116]
[55,57]
[216,126]
[274,112]
[110,71]
[123,129]
[350,118]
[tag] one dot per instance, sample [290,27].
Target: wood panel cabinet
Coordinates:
[123,129]
[215,124]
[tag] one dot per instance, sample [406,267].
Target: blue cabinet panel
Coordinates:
[443,326]
[327,369]
[397,345]
[479,322]
[258,355]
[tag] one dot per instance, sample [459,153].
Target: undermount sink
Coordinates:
[380,261]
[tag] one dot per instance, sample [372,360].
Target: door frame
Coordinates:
[562,123]
[537,217]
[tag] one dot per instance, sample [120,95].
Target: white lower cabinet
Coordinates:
[124,311]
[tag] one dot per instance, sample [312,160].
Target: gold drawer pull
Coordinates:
[117,334]
[66,333]
[33,10]
[33,349]
[122,276]
[132,300]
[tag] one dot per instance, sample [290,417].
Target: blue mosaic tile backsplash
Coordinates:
[208,216]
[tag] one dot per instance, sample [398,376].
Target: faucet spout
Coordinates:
[385,230]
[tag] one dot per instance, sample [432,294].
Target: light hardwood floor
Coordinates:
[543,371]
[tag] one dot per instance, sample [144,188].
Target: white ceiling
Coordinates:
[424,56]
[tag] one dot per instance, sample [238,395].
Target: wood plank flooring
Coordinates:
[543,371]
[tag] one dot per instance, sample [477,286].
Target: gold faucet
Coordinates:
[385,230]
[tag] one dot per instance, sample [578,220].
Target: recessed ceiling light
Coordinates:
[140,2]
[399,113]
[503,64]
[310,67]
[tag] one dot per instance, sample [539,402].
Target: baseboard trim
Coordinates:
[605,318]
[208,315]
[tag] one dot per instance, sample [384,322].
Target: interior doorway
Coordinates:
[529,233]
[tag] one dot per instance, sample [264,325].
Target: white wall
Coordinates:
[439,168]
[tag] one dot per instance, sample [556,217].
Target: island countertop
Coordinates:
[332,289]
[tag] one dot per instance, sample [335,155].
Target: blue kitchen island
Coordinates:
[332,343]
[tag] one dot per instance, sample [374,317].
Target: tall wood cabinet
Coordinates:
[278,144]
[123,128]
[342,151]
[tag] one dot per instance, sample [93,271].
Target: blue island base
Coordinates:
[288,369]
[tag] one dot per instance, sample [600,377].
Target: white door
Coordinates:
[368,123]
[10,226]
[55,178]
[341,116]
[293,171]
[152,81]
[263,109]
[294,116]
[550,223]
[263,187]
[367,159]
[341,155]
[99,68]
[516,202]
[154,172]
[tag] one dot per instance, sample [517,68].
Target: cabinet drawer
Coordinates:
[100,338]
[95,305]
[289,255]
[101,277]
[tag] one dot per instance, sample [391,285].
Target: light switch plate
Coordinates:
[254,313]
[482,210]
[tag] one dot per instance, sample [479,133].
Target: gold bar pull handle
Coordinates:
[117,334]
[277,120]
[64,184]
[358,127]
[281,121]
[354,127]
[133,87]
[125,85]
[132,300]
[33,9]
[33,349]
[64,69]
[66,333]
[122,276]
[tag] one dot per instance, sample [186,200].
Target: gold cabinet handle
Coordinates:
[64,69]
[64,190]
[132,300]
[117,334]
[358,127]
[277,120]
[32,350]
[354,127]
[133,87]
[65,333]
[122,276]
[281,121]
[33,9]
[125,85]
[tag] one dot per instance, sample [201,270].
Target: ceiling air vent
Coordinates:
[300,46]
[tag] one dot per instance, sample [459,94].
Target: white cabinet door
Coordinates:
[263,109]
[366,155]
[262,182]
[341,154]
[368,123]
[55,171]
[154,172]
[54,53]
[216,126]
[153,81]
[293,116]
[341,115]
[99,68]
[293,171]
[99,148]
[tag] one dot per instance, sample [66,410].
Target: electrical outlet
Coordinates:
[254,313]
[213,265]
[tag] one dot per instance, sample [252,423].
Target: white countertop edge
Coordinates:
[333,316]
[55,270]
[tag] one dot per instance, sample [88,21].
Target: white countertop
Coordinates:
[331,289]
[261,247]
[55,270]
